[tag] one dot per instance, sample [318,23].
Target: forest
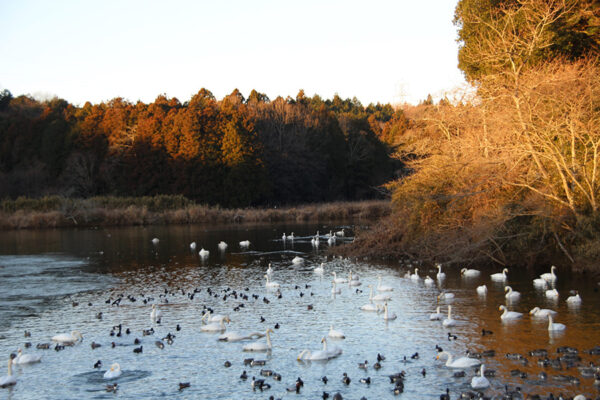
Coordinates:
[509,172]
[233,152]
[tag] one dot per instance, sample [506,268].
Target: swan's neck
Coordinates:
[450,359]
[222,323]
[549,320]
[268,340]
[449,312]
[371,294]
[505,311]
[482,370]
[324,345]
[385,313]
[438,310]
[439,269]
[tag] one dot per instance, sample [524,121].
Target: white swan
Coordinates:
[215,326]
[383,288]
[193,246]
[415,276]
[552,294]
[155,314]
[68,339]
[26,358]
[335,289]
[341,233]
[353,280]
[331,239]
[574,300]
[554,326]
[315,240]
[203,253]
[260,345]
[320,269]
[114,372]
[271,284]
[436,316]
[501,276]
[482,290]
[269,270]
[8,380]
[549,276]
[338,280]
[540,283]
[388,316]
[155,241]
[370,306]
[297,260]
[336,334]
[283,237]
[542,312]
[245,243]
[223,246]
[445,296]
[449,321]
[480,381]
[320,355]
[462,362]
[237,337]
[210,317]
[506,315]
[440,275]
[511,294]
[469,273]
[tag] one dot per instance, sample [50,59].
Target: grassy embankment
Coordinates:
[61,212]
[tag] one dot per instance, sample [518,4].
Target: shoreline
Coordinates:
[71,213]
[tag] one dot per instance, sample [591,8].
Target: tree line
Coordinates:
[233,152]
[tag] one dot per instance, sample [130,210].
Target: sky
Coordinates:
[387,51]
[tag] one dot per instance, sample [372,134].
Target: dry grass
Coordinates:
[59,212]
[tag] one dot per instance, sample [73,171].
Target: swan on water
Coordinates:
[542,312]
[269,270]
[370,306]
[549,276]
[114,372]
[436,316]
[215,326]
[155,314]
[245,243]
[68,339]
[271,284]
[428,281]
[353,280]
[203,253]
[320,355]
[193,246]
[511,294]
[552,294]
[462,362]
[338,280]
[574,300]
[320,269]
[297,260]
[415,276]
[315,240]
[26,358]
[445,296]
[440,275]
[9,379]
[237,337]
[449,321]
[283,237]
[210,317]
[482,290]
[155,241]
[260,345]
[501,276]
[506,315]
[335,289]
[331,239]
[480,381]
[341,233]
[469,273]
[336,334]
[555,326]
[383,288]
[388,316]
[223,246]
[540,283]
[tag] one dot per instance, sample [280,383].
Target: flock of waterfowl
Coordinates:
[379,296]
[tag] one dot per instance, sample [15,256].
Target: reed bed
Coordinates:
[61,212]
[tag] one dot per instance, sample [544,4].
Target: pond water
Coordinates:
[56,281]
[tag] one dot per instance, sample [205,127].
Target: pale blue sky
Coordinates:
[379,51]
